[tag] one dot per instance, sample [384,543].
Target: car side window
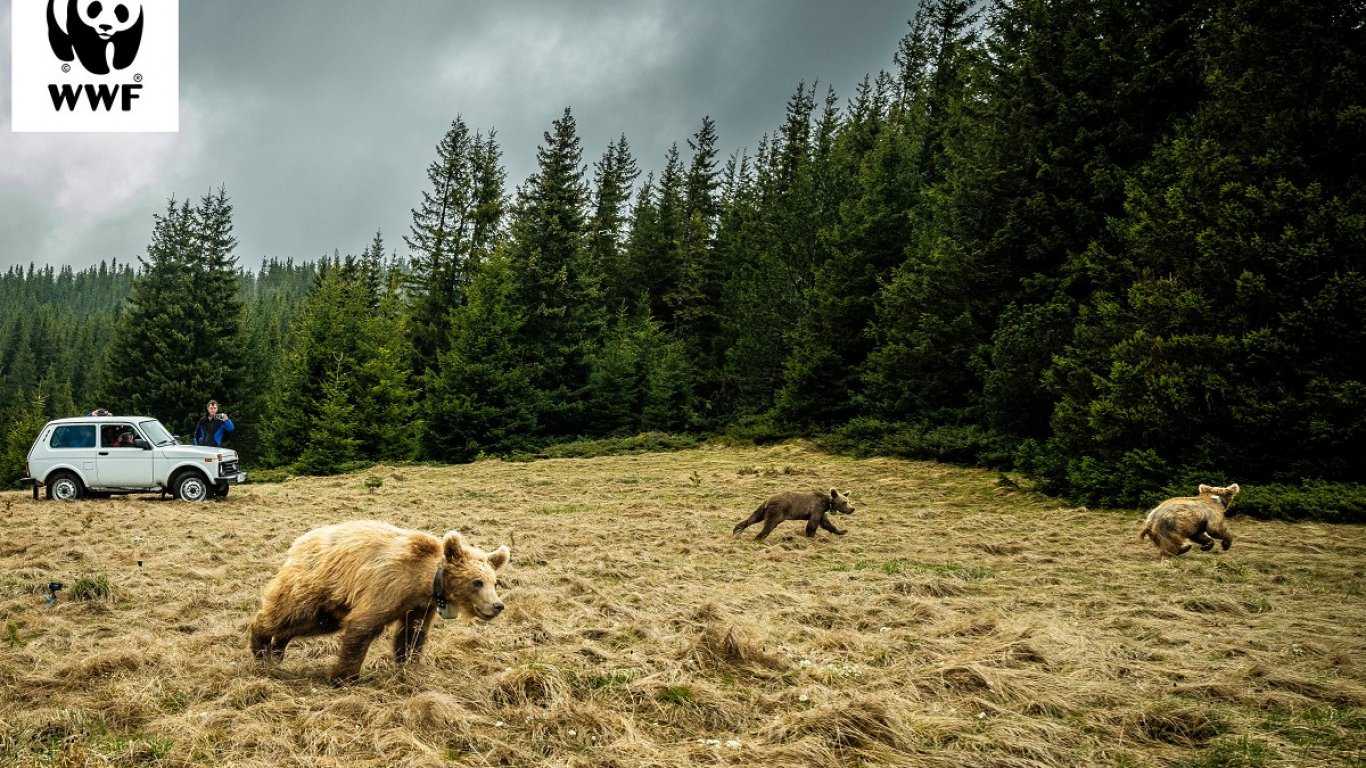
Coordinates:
[117,436]
[73,436]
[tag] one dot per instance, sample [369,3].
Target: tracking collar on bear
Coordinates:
[439,591]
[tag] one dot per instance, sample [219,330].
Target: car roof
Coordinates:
[99,419]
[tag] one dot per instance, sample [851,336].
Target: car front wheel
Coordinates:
[191,486]
[64,486]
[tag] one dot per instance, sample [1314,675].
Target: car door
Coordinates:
[123,466]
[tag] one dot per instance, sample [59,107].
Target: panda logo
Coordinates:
[101,34]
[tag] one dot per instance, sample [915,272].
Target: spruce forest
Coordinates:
[1114,247]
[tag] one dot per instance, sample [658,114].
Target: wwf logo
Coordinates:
[104,35]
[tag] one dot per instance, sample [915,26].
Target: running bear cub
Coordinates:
[1197,518]
[356,578]
[813,507]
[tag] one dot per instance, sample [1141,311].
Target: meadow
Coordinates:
[963,621]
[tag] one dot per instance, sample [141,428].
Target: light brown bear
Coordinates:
[813,507]
[1197,518]
[358,577]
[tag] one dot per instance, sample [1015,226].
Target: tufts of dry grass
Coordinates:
[962,622]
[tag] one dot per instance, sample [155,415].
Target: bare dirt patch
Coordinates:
[959,623]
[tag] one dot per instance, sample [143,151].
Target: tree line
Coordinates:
[1115,246]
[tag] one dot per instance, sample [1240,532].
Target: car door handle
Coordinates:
[104,453]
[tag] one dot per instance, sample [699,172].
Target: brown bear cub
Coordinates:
[356,578]
[813,507]
[1197,518]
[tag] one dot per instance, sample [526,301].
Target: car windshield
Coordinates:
[156,433]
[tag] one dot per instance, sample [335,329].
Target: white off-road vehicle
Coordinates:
[102,455]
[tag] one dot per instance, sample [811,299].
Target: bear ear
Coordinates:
[1206,489]
[454,546]
[500,557]
[834,493]
[1232,489]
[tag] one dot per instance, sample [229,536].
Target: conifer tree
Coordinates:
[773,263]
[698,311]
[490,198]
[1229,305]
[1070,100]
[633,282]
[20,362]
[346,338]
[389,427]
[614,175]
[639,379]
[875,160]
[373,270]
[153,331]
[179,342]
[926,328]
[482,398]
[220,372]
[519,357]
[53,323]
[750,321]
[323,346]
[935,61]
[19,430]
[453,229]
[656,246]
[1096,116]
[558,285]
[332,444]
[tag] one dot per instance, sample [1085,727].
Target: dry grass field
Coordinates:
[959,623]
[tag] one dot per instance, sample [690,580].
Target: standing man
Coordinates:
[211,426]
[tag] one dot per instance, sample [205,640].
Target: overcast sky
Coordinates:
[321,118]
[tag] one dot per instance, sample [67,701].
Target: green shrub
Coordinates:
[755,430]
[94,587]
[273,475]
[646,442]
[1312,500]
[17,437]
[1141,478]
[959,444]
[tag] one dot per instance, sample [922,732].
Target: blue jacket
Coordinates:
[210,431]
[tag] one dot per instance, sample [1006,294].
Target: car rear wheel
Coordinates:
[64,486]
[191,486]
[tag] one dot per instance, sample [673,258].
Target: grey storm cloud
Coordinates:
[321,118]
